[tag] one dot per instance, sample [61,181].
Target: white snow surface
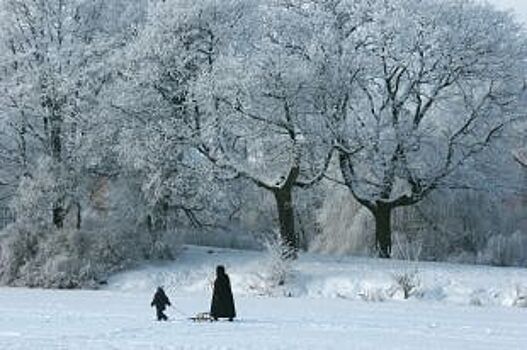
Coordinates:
[326,303]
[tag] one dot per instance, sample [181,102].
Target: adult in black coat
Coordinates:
[160,301]
[222,300]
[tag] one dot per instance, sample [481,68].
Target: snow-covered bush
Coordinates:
[276,267]
[408,282]
[43,256]
[38,256]
[18,246]
[504,250]
[520,296]
[373,293]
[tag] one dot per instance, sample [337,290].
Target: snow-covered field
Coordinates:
[327,303]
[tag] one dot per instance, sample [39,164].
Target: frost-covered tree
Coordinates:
[55,64]
[435,82]
[260,115]
[159,126]
[53,70]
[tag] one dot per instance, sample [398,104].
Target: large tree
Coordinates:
[159,115]
[52,74]
[433,84]
[260,112]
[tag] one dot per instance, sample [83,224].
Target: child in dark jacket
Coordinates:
[160,301]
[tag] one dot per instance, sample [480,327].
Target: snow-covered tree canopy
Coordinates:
[432,83]
[185,107]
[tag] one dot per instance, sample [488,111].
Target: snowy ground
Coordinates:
[456,307]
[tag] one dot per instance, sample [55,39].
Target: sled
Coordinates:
[202,317]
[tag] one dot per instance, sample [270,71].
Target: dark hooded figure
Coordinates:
[222,300]
[160,301]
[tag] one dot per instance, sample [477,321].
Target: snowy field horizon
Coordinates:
[326,302]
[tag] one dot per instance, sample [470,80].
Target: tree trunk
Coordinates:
[56,141]
[58,214]
[382,213]
[79,216]
[286,218]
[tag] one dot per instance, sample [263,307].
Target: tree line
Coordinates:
[191,102]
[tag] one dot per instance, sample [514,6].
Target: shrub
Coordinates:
[43,256]
[277,268]
[408,282]
[372,294]
[504,250]
[519,296]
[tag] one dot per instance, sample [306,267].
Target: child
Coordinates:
[160,301]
